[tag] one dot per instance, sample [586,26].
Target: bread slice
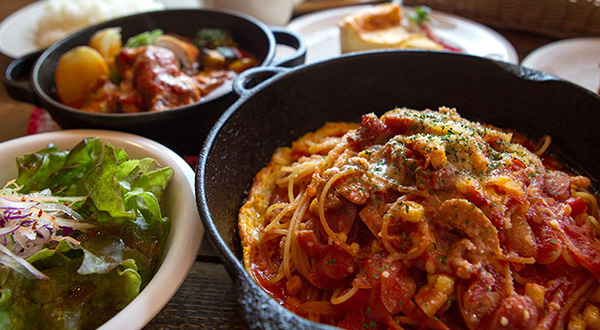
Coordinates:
[380,27]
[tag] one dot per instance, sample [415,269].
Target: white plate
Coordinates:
[17,30]
[321,33]
[576,60]
[178,204]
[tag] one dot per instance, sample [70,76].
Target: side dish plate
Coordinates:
[576,60]
[322,36]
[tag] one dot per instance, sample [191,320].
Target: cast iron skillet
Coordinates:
[289,104]
[31,78]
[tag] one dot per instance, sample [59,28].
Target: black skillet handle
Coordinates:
[291,39]
[16,78]
[248,80]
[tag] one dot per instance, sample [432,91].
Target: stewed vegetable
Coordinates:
[151,71]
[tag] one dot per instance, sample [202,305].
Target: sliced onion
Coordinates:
[11,215]
[20,265]
[74,224]
[63,208]
[28,233]
[7,202]
[8,230]
[31,221]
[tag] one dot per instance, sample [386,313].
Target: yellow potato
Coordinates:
[107,42]
[79,72]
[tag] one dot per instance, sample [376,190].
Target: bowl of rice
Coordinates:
[63,17]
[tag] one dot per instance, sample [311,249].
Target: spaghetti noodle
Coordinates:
[423,219]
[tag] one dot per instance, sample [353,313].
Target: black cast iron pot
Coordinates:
[277,106]
[31,78]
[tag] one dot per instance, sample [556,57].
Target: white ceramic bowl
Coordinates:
[178,204]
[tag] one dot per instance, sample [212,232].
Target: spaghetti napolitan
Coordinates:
[422,219]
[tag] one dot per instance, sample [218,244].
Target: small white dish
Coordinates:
[576,60]
[17,31]
[322,35]
[178,204]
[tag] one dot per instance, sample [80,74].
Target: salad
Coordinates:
[81,234]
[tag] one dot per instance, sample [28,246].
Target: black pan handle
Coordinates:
[250,79]
[291,39]
[17,80]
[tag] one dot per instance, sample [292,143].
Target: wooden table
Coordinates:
[207,298]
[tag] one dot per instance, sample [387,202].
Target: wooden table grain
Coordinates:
[207,298]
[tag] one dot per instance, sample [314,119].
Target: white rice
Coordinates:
[62,17]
